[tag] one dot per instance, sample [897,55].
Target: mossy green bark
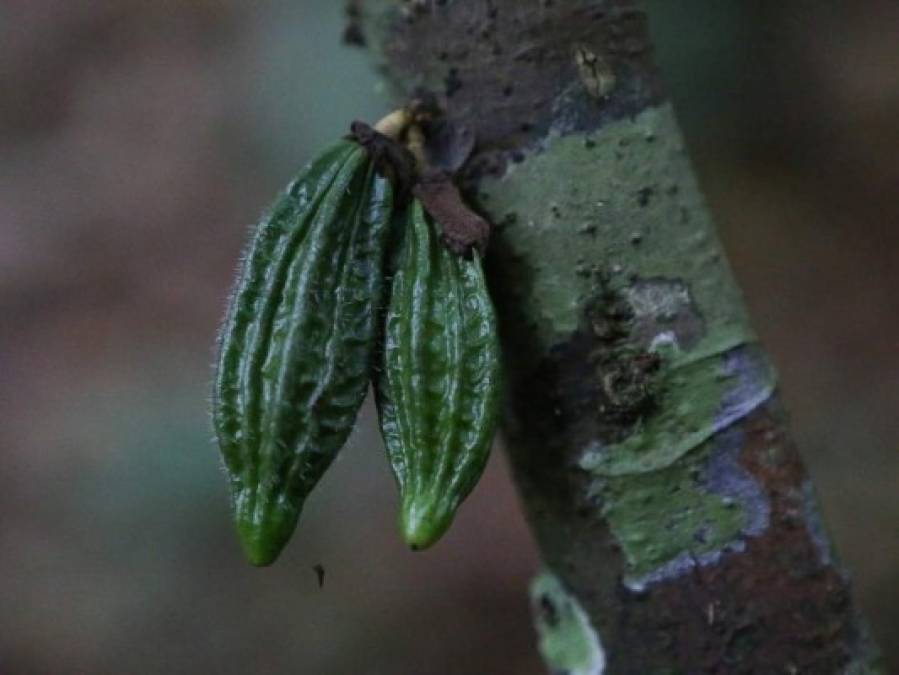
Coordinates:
[566,639]
[626,197]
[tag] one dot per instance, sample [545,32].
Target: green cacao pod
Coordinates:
[438,388]
[296,346]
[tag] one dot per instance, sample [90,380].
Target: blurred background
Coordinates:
[137,143]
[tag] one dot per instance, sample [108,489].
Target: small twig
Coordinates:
[461,228]
[391,158]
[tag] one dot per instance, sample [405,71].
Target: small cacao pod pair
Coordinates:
[311,320]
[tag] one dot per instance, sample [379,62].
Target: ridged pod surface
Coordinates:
[296,346]
[438,389]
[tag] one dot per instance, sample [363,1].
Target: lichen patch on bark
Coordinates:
[697,399]
[689,514]
[622,201]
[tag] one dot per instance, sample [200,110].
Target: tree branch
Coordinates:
[677,523]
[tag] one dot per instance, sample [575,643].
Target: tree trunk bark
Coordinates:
[676,520]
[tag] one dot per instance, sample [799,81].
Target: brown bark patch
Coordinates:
[504,66]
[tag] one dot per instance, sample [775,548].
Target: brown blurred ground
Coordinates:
[137,142]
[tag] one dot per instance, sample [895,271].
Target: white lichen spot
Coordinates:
[567,640]
[659,299]
[664,342]
[592,455]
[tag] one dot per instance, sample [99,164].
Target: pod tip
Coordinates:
[264,532]
[423,523]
